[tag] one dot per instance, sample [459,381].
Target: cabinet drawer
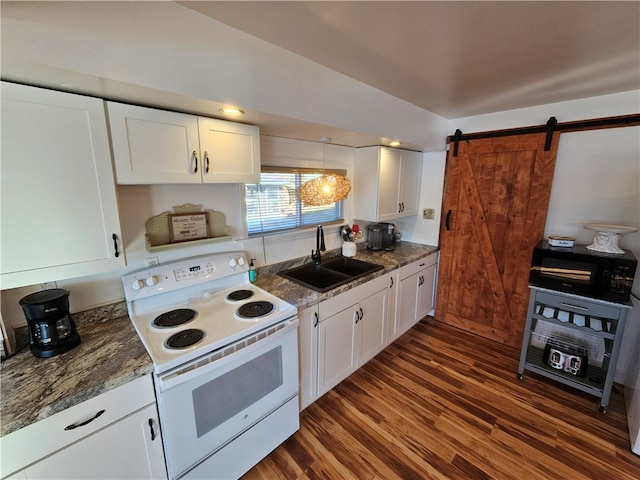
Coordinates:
[415,267]
[338,303]
[578,305]
[49,435]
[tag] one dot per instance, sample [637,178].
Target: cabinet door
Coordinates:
[154,146]
[408,302]
[411,177]
[392,306]
[308,355]
[389,187]
[128,449]
[336,349]
[371,326]
[59,215]
[230,151]
[425,292]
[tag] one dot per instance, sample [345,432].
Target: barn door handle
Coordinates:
[446,222]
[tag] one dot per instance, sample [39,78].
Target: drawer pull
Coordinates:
[574,306]
[82,424]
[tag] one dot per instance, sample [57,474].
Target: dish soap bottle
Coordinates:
[252,271]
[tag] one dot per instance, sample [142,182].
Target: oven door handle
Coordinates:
[202,366]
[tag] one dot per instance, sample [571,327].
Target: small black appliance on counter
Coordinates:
[51,328]
[381,236]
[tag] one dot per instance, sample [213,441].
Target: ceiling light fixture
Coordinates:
[395,143]
[231,111]
[325,189]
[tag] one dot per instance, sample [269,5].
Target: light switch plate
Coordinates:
[428,213]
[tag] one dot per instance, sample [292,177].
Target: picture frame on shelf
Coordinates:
[185,227]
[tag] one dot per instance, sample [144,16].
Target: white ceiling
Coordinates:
[461,58]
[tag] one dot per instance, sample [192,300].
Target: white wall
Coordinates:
[596,178]
[422,230]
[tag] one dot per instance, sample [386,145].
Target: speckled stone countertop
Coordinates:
[302,297]
[110,355]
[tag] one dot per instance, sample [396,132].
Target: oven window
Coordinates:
[227,395]
[580,273]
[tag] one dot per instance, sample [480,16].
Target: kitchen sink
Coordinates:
[330,274]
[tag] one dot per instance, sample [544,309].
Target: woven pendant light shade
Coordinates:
[324,190]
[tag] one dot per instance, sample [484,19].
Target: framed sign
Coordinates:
[187,226]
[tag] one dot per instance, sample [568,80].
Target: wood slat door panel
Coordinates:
[497,192]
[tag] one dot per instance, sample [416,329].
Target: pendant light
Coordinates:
[325,189]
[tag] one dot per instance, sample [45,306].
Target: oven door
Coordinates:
[206,405]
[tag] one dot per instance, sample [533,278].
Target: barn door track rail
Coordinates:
[550,128]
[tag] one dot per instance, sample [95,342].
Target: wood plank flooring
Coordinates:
[440,403]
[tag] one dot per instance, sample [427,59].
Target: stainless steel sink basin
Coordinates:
[329,274]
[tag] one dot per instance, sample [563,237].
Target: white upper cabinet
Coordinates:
[152,146]
[230,151]
[59,216]
[386,183]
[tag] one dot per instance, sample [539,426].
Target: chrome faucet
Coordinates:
[315,256]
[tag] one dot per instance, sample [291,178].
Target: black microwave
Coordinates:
[578,270]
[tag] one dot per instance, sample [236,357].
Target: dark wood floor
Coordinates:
[442,403]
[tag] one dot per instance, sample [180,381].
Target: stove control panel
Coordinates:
[192,271]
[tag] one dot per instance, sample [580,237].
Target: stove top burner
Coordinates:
[185,338]
[240,295]
[255,309]
[174,318]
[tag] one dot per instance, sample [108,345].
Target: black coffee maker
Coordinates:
[51,328]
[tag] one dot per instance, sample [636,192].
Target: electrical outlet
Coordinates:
[150,262]
[48,285]
[428,213]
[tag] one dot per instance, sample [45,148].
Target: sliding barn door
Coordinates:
[495,206]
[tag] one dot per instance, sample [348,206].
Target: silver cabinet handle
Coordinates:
[577,307]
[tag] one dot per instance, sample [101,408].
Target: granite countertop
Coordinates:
[302,297]
[110,355]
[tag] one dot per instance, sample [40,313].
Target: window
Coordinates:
[273,205]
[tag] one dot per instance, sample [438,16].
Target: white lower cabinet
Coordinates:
[340,335]
[308,355]
[124,449]
[393,298]
[115,435]
[416,293]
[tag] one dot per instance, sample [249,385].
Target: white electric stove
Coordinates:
[225,360]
